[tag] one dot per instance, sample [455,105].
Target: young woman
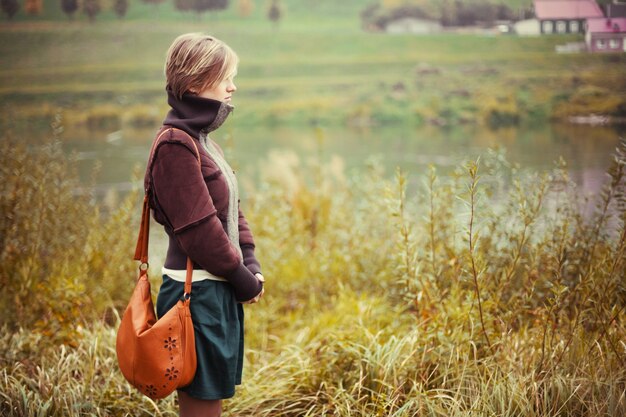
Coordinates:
[198,205]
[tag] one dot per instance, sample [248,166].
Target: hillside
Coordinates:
[292,9]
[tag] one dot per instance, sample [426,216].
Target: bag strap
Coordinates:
[141,250]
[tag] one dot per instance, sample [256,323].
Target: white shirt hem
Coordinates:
[198,275]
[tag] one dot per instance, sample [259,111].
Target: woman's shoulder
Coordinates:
[168,141]
[169,135]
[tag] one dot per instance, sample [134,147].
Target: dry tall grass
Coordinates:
[489,292]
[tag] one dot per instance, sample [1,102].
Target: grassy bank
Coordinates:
[380,302]
[316,69]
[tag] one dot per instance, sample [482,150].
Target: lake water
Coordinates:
[586,149]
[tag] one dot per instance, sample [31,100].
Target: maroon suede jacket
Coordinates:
[192,202]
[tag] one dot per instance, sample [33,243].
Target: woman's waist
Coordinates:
[176,263]
[198,275]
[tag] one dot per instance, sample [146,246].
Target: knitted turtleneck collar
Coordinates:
[195,114]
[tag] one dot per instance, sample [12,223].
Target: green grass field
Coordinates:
[317,66]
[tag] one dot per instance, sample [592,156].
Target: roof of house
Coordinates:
[606,25]
[567,9]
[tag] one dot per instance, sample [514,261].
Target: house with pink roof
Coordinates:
[606,34]
[565,16]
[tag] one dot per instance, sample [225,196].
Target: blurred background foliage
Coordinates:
[312,62]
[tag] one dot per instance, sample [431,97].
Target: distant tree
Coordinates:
[9,7]
[183,5]
[69,7]
[376,17]
[448,13]
[465,15]
[154,2]
[480,12]
[91,8]
[120,7]
[245,8]
[369,13]
[504,12]
[201,6]
[274,12]
[33,6]
[485,13]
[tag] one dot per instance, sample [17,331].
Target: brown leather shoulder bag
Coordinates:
[156,356]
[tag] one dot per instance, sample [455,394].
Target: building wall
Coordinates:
[550,26]
[529,27]
[606,42]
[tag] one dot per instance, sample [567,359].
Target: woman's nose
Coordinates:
[232,88]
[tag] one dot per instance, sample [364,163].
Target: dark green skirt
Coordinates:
[218,324]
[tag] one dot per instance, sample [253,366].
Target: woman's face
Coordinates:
[222,91]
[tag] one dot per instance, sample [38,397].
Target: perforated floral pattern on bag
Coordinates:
[164,352]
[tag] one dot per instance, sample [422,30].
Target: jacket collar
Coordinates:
[195,114]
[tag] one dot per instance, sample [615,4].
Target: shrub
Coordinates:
[142,116]
[103,117]
[69,7]
[377,17]
[92,8]
[499,112]
[490,291]
[588,100]
[9,7]
[64,263]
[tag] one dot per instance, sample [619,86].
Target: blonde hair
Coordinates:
[196,61]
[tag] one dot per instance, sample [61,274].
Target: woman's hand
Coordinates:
[256,299]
